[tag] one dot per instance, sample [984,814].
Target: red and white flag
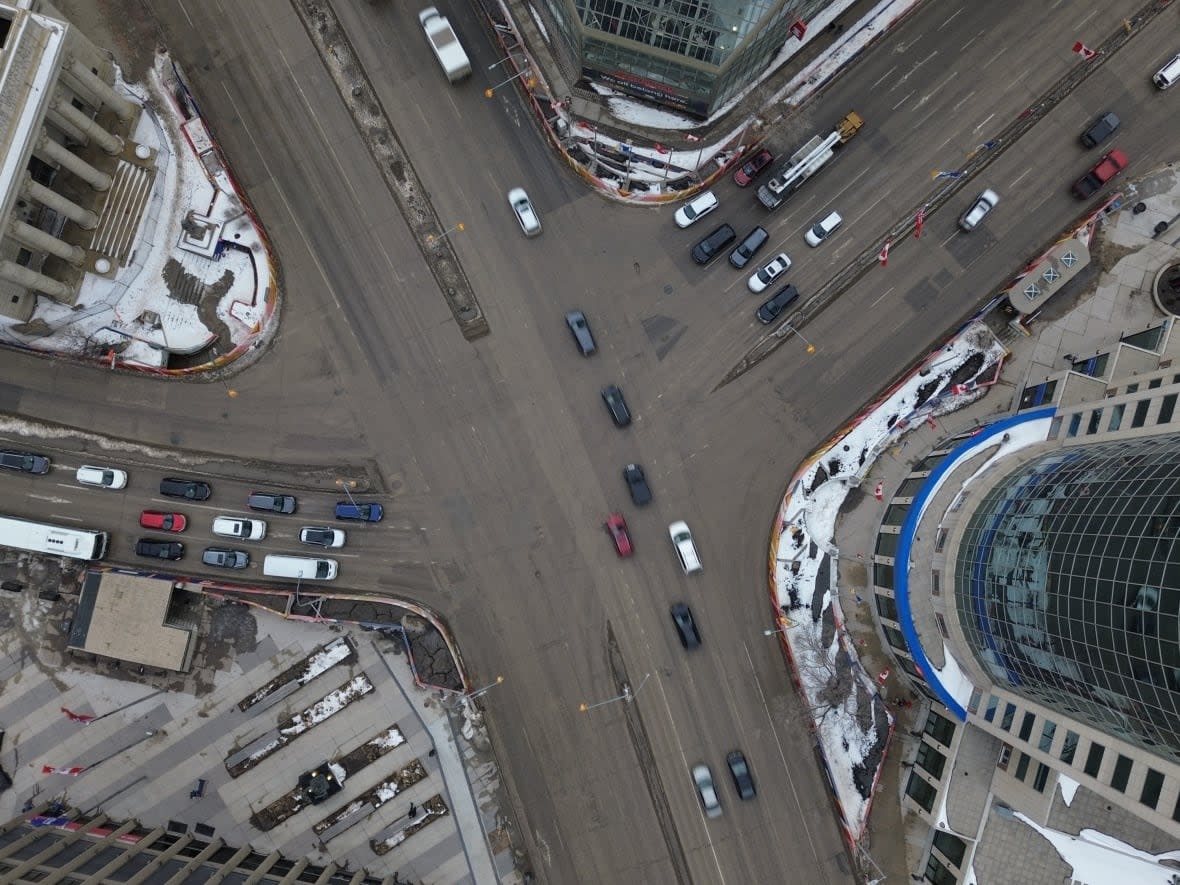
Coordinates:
[1084,51]
[77,717]
[883,255]
[72,771]
[918,222]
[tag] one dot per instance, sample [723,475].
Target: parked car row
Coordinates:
[87,474]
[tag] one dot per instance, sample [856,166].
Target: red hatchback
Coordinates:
[745,176]
[165,522]
[617,526]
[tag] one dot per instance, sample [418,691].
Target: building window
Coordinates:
[1140,416]
[1041,777]
[920,791]
[1005,755]
[930,760]
[1176,810]
[1075,424]
[1166,410]
[935,589]
[893,637]
[1095,421]
[1152,784]
[951,847]
[1154,383]
[883,575]
[1133,388]
[940,728]
[1069,747]
[887,544]
[1022,766]
[940,621]
[1009,715]
[1026,726]
[1048,730]
[989,714]
[1116,417]
[1122,773]
[886,606]
[939,540]
[1094,760]
[973,702]
[937,873]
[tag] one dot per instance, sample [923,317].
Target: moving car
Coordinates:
[823,228]
[617,527]
[239,527]
[703,778]
[637,485]
[686,550]
[1168,74]
[576,320]
[165,522]
[686,625]
[709,247]
[103,477]
[319,536]
[696,209]
[739,770]
[978,210]
[156,549]
[193,489]
[271,503]
[525,213]
[359,512]
[752,168]
[772,307]
[616,405]
[1100,130]
[744,251]
[26,462]
[1104,171]
[769,272]
[225,558]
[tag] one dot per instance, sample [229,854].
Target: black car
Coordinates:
[269,503]
[223,557]
[193,489]
[739,769]
[156,549]
[637,485]
[776,304]
[745,250]
[686,626]
[713,245]
[580,329]
[26,462]
[616,405]
[1100,130]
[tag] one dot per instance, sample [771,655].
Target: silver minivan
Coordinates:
[1168,74]
[823,228]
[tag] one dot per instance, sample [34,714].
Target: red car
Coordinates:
[745,176]
[1104,170]
[165,522]
[617,526]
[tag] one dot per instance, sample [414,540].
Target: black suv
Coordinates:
[637,485]
[269,503]
[686,626]
[154,549]
[223,557]
[616,405]
[775,305]
[193,489]
[745,250]
[24,461]
[713,245]
[576,320]
[739,770]
[1100,130]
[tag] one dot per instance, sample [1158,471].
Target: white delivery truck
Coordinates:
[445,44]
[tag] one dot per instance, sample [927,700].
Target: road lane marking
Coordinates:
[949,20]
[903,101]
[883,76]
[882,295]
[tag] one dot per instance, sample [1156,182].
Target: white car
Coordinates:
[103,477]
[703,778]
[686,550]
[983,204]
[823,228]
[321,536]
[696,209]
[770,272]
[239,527]
[525,213]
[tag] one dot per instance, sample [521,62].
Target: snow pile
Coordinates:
[845,707]
[389,739]
[322,660]
[329,705]
[1099,859]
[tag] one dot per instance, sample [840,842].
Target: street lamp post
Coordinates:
[474,694]
[431,239]
[347,485]
[628,696]
[810,346]
[489,92]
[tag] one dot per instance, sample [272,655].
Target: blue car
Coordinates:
[360,512]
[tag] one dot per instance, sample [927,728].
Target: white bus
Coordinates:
[52,540]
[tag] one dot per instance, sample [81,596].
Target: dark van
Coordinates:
[359,512]
[771,309]
[745,250]
[713,245]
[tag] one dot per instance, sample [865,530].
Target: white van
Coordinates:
[1168,74]
[686,550]
[823,229]
[308,568]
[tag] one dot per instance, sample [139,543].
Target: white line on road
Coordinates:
[882,295]
[966,98]
[903,101]
[883,76]
[949,20]
[50,499]
[984,122]
[65,517]
[969,42]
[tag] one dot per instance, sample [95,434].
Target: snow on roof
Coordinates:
[1100,859]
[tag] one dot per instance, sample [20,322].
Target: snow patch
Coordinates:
[1100,859]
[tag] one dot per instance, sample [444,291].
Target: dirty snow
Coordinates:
[389,739]
[328,706]
[1099,859]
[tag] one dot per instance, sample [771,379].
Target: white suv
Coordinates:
[685,548]
[237,527]
[104,477]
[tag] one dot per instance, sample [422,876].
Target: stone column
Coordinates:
[84,218]
[40,241]
[30,279]
[53,152]
[108,141]
[124,108]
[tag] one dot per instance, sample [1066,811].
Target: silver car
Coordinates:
[983,204]
[703,778]
[770,272]
[525,213]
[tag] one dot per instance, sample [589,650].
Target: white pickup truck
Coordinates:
[445,44]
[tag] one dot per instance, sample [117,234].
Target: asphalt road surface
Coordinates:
[497,458]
